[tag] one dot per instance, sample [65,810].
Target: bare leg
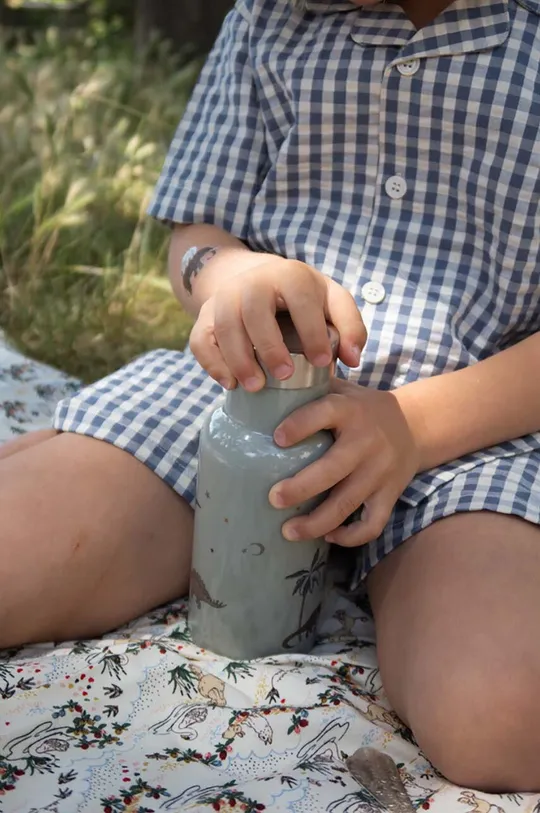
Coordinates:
[457,612]
[22,442]
[90,538]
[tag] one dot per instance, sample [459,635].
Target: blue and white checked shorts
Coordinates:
[154,409]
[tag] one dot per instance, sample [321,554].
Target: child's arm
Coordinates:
[495,400]
[234,293]
[224,257]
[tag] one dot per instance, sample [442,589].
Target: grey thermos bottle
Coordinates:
[252,592]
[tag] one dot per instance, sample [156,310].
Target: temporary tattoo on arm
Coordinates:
[193,263]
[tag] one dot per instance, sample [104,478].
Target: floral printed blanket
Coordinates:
[144,721]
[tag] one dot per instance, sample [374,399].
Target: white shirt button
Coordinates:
[373,292]
[396,187]
[408,68]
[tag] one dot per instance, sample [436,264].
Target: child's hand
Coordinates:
[373,459]
[241,316]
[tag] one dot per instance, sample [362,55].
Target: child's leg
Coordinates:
[90,538]
[457,611]
[22,442]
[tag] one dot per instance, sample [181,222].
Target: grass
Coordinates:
[84,127]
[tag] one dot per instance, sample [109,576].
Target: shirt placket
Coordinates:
[388,170]
[404,53]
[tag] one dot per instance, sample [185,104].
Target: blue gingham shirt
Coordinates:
[405,164]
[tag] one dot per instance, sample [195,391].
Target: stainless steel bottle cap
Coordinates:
[305,374]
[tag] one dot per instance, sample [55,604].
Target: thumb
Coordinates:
[343,312]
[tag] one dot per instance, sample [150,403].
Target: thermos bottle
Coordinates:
[253,593]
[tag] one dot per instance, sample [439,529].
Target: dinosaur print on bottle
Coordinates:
[199,593]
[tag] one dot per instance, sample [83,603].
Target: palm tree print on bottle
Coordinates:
[306,582]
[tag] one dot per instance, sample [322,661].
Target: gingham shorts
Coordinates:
[154,409]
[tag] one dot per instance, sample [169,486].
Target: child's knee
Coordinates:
[479,725]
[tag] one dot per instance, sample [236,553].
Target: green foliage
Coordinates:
[84,127]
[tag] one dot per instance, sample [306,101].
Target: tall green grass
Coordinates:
[84,127]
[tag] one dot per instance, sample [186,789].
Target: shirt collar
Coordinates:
[465,26]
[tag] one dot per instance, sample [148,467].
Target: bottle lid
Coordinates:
[305,374]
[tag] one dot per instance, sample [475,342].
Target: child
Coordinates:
[335,159]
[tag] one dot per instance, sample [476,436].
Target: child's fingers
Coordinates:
[375,515]
[235,344]
[344,314]
[258,313]
[321,476]
[343,501]
[242,317]
[204,347]
[331,412]
[304,292]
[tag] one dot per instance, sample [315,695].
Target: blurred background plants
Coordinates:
[86,115]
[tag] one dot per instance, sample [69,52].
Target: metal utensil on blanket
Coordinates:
[254,594]
[379,774]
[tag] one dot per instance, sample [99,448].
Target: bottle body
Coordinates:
[253,593]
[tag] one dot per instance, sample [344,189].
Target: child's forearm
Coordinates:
[200,258]
[457,413]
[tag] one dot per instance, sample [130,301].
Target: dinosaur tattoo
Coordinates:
[193,263]
[305,630]
[199,593]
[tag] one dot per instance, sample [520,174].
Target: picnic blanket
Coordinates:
[143,720]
